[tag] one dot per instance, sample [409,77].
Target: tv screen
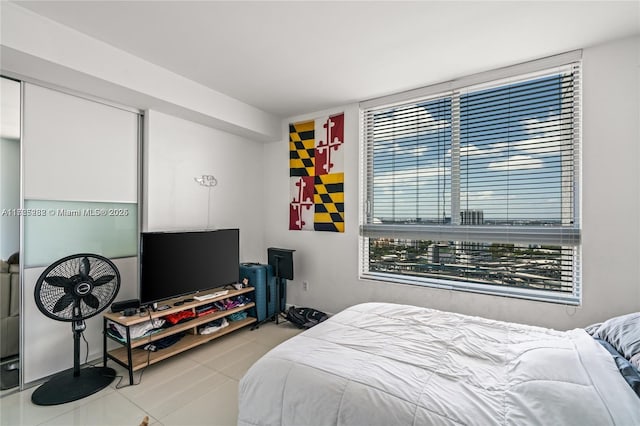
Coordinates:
[174,264]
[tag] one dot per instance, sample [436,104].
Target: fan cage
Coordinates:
[48,295]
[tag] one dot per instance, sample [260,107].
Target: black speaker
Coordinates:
[125,304]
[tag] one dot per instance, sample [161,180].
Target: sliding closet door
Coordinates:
[79,157]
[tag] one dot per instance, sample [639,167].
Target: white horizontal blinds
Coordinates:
[477,187]
[408,162]
[517,152]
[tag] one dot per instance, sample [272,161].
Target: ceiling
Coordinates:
[297,57]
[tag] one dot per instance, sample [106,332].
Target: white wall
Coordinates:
[611,212]
[175,152]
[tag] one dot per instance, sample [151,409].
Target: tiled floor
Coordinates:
[197,387]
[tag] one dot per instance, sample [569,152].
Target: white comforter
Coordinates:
[387,364]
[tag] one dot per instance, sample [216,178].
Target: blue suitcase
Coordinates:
[262,279]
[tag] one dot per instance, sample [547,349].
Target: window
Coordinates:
[474,184]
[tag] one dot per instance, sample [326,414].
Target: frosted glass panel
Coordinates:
[55,229]
[76,149]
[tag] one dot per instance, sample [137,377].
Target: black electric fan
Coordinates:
[73,289]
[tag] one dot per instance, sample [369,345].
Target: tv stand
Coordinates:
[133,357]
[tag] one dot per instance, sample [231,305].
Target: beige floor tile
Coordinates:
[215,348]
[112,409]
[223,358]
[237,367]
[161,397]
[162,372]
[17,408]
[272,335]
[217,407]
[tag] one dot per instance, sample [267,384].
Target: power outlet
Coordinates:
[305,285]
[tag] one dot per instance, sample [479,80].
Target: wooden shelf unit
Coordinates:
[131,355]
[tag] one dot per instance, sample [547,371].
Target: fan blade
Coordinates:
[91,300]
[103,280]
[63,302]
[56,281]
[85,268]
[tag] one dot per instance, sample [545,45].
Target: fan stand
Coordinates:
[71,385]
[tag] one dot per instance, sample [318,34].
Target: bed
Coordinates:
[390,364]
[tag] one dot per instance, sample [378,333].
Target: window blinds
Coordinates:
[476,166]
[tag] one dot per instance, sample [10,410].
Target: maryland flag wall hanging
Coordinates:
[316,174]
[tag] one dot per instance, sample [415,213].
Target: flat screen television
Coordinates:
[174,264]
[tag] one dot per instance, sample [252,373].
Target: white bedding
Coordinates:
[387,364]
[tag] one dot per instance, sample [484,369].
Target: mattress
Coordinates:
[389,364]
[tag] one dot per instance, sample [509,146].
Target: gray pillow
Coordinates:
[635,360]
[623,333]
[593,328]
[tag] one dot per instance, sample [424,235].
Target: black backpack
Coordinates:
[305,317]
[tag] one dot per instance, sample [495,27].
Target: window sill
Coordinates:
[492,290]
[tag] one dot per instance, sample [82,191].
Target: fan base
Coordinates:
[66,387]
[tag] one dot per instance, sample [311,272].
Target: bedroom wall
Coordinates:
[175,152]
[610,214]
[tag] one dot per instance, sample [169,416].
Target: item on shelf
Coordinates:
[137,330]
[165,342]
[125,304]
[205,310]
[112,332]
[213,326]
[211,295]
[237,316]
[179,316]
[129,312]
[243,300]
[230,303]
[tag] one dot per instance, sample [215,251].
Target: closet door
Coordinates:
[80,170]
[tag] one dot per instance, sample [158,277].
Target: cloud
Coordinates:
[404,183]
[402,177]
[473,150]
[547,136]
[541,146]
[407,121]
[477,195]
[537,126]
[517,162]
[412,149]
